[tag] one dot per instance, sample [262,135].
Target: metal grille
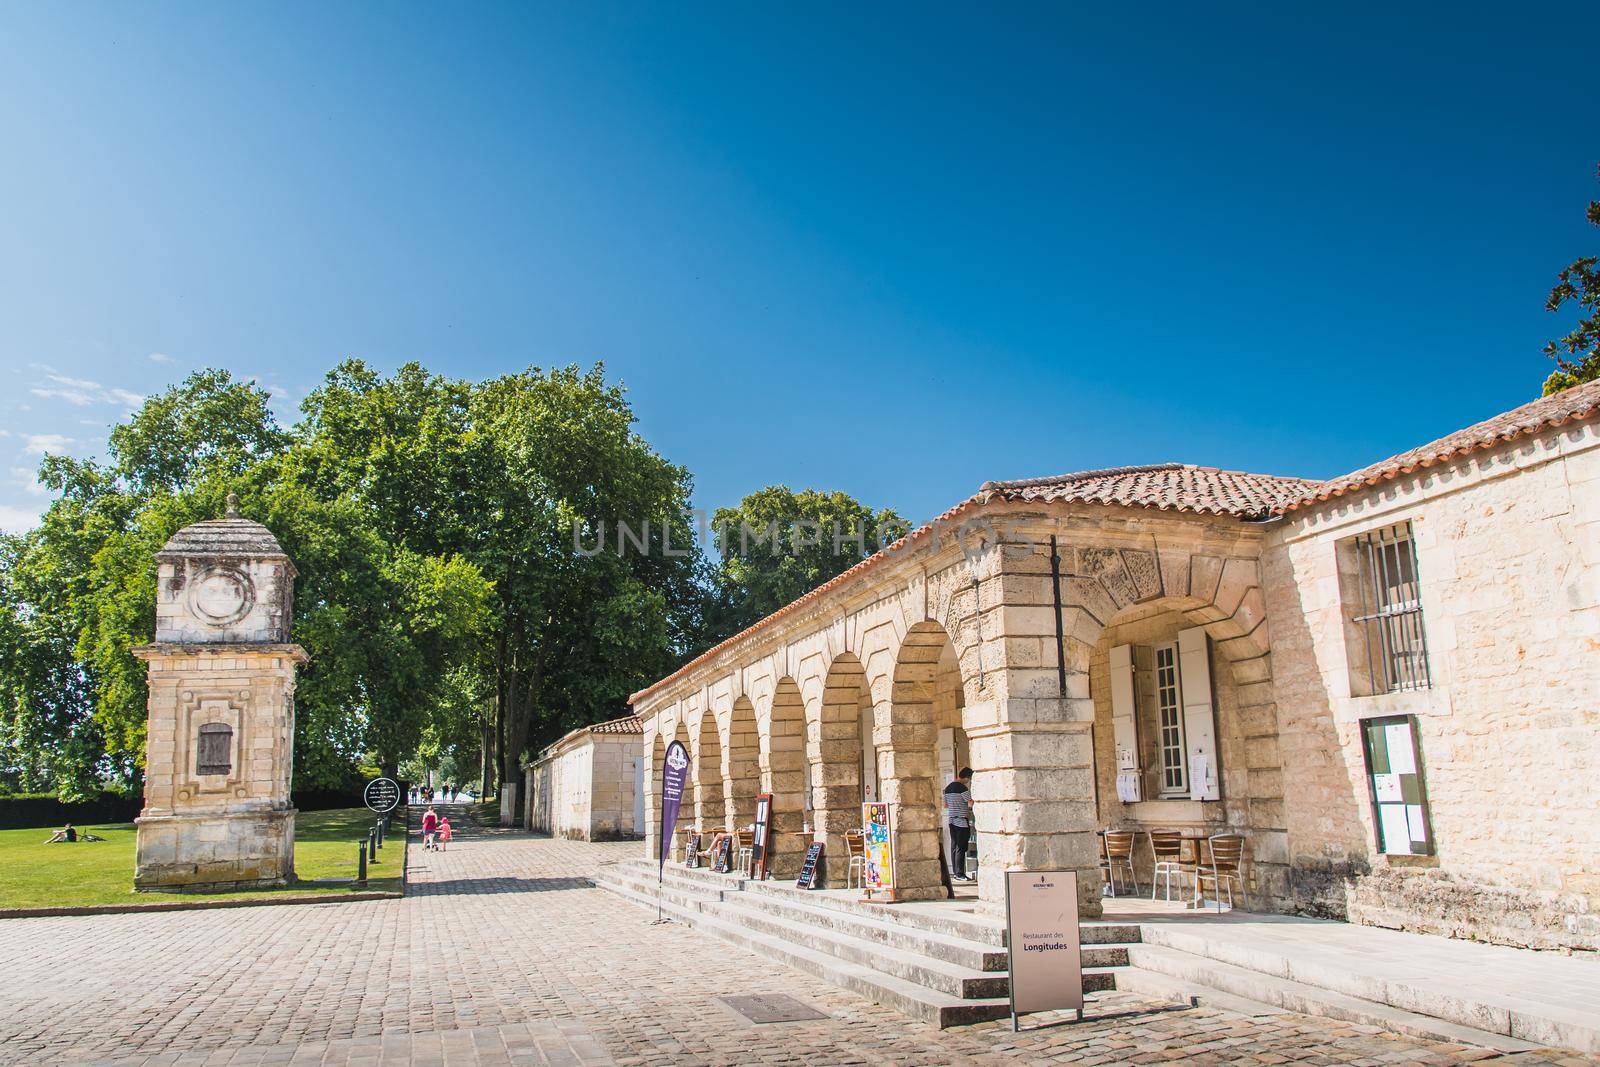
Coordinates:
[1174,772]
[1397,646]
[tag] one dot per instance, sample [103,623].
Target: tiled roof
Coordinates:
[1206,490]
[1164,487]
[628,724]
[1579,402]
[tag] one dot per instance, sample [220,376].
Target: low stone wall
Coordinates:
[1437,902]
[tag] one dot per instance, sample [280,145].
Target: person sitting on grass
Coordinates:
[64,836]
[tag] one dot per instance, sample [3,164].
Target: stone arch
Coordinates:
[783,774]
[710,808]
[1250,766]
[835,753]
[652,796]
[741,764]
[906,737]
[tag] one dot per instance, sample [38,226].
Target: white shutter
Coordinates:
[1124,724]
[1199,717]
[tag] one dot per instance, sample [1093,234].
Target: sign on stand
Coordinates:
[880,849]
[382,795]
[808,869]
[761,838]
[1042,939]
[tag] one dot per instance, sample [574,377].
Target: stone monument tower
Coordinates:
[220,751]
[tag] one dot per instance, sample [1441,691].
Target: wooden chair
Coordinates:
[1166,848]
[1117,857]
[1221,868]
[744,845]
[855,847]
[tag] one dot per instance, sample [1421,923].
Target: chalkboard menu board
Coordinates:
[691,851]
[724,861]
[808,869]
[761,841]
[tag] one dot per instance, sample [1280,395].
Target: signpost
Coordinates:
[381,795]
[674,773]
[808,869]
[761,839]
[880,849]
[1042,938]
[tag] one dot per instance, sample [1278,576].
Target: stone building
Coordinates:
[589,784]
[220,751]
[1389,682]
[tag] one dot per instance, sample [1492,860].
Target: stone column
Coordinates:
[219,760]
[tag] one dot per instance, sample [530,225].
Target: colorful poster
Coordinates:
[674,773]
[880,848]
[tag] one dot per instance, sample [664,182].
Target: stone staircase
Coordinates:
[941,965]
[946,965]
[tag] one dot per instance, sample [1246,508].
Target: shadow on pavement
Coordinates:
[461,886]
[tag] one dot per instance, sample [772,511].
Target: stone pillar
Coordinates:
[219,759]
[1031,742]
[907,764]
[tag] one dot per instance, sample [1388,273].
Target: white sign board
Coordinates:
[1042,932]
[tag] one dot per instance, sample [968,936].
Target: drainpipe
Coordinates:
[1055,592]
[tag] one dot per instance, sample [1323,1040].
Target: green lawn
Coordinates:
[36,875]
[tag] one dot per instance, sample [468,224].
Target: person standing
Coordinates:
[430,827]
[958,817]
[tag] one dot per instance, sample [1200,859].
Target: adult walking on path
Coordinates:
[430,826]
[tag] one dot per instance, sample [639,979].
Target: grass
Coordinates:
[89,874]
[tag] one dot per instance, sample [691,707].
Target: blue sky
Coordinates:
[895,251]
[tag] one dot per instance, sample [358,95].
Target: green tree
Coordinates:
[778,545]
[1580,283]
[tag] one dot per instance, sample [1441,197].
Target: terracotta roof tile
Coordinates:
[1579,402]
[628,724]
[1164,487]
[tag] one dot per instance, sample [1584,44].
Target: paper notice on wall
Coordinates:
[1397,737]
[1128,787]
[1396,829]
[1387,787]
[1414,823]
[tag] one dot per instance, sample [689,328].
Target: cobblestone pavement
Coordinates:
[503,954]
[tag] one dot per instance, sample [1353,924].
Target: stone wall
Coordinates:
[1508,547]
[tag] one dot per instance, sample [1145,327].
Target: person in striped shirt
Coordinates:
[958,816]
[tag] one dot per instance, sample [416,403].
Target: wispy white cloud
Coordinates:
[19,520]
[27,481]
[81,392]
[37,444]
[160,357]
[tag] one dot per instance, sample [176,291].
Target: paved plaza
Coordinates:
[502,953]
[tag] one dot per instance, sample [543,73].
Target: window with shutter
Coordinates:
[1124,724]
[214,752]
[1199,714]
[1170,724]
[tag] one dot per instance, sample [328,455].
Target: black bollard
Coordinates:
[361,863]
[379,831]
[372,845]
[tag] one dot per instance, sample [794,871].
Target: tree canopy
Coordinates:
[442,594]
[1577,354]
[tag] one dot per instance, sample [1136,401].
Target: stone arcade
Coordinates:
[220,754]
[1389,683]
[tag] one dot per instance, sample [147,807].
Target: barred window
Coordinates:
[214,753]
[1391,610]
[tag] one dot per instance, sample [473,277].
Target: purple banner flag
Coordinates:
[674,772]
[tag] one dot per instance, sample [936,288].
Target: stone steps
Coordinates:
[941,976]
[1160,968]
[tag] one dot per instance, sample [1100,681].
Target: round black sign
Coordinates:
[382,794]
